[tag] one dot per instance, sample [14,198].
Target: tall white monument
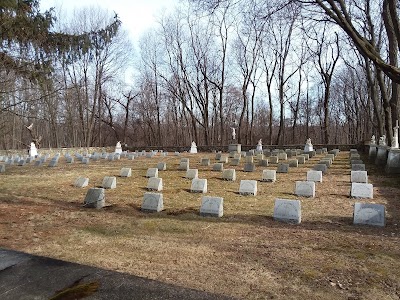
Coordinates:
[259,145]
[233,133]
[118,148]
[373,140]
[308,147]
[33,151]
[193,148]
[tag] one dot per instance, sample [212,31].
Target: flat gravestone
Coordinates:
[273,159]
[109,182]
[155,184]
[318,151]
[198,185]
[205,162]
[358,167]
[229,174]
[235,161]
[315,176]
[212,206]
[223,159]
[125,172]
[81,182]
[282,156]
[369,214]
[359,176]
[152,172]
[95,198]
[282,168]
[305,189]
[356,161]
[248,187]
[192,173]
[263,163]
[287,210]
[161,166]
[269,175]
[301,159]
[152,202]
[249,167]
[362,190]
[218,167]
[183,165]
[293,163]
[355,156]
[2,168]
[320,167]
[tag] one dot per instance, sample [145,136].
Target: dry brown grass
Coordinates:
[245,254]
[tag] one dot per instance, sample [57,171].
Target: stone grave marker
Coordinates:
[218,167]
[282,156]
[131,156]
[53,162]
[249,159]
[85,160]
[38,163]
[237,156]
[282,168]
[70,160]
[152,202]
[111,157]
[248,187]
[95,198]
[184,165]
[205,162]
[362,190]
[260,156]
[326,162]
[358,167]
[320,167]
[125,172]
[359,176]
[81,182]
[331,156]
[305,189]
[315,176]
[268,175]
[229,174]
[263,163]
[293,163]
[318,151]
[155,184]
[223,159]
[306,156]
[109,182]
[369,214]
[356,161]
[287,210]
[355,156]
[218,156]
[249,167]
[212,206]
[117,156]
[235,161]
[152,172]
[198,185]
[192,173]
[2,168]
[161,166]
[21,163]
[273,159]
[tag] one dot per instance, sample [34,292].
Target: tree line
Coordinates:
[280,71]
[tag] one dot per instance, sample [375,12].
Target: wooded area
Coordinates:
[280,71]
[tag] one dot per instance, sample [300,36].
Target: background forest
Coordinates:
[277,70]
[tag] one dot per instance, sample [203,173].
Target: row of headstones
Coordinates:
[284,209]
[360,188]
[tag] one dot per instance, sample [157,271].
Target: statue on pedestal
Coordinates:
[308,147]
[118,148]
[233,133]
[33,151]
[193,148]
[382,140]
[373,141]
[395,141]
[259,145]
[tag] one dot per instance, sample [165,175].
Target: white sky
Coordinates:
[137,16]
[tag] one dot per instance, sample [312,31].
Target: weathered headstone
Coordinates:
[198,185]
[152,172]
[249,159]
[21,162]
[269,175]
[152,202]
[81,182]
[301,159]
[293,163]
[315,176]
[235,161]
[287,210]
[359,176]
[320,167]
[85,160]
[282,168]
[263,163]
[229,174]
[358,167]
[218,167]
[205,162]
[53,162]
[109,182]
[184,165]
[192,173]
[273,159]
[161,166]
[218,156]
[95,198]
[69,159]
[2,168]
[362,190]
[38,163]
[223,159]
[369,214]
[249,167]
[282,156]
[155,184]
[305,189]
[125,172]
[248,187]
[356,161]
[212,206]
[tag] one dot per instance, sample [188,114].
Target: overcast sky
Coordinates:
[136,15]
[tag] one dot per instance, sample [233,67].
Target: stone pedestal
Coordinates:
[381,156]
[393,161]
[308,148]
[372,152]
[235,147]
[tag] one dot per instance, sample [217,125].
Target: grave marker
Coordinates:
[198,185]
[359,176]
[152,172]
[287,211]
[161,166]
[248,187]
[358,167]
[95,198]
[315,176]
[362,190]
[269,175]
[125,172]
[205,162]
[369,214]
[212,206]
[282,168]
[218,167]
[155,184]
[192,173]
[229,174]
[109,182]
[305,189]
[81,182]
[249,167]
[152,202]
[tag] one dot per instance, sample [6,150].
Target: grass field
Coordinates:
[244,254]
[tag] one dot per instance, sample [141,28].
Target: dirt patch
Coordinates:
[245,254]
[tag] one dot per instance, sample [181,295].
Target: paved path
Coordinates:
[25,276]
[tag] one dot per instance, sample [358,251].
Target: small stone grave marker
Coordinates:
[212,206]
[315,176]
[293,163]
[287,210]
[249,167]
[369,214]
[109,182]
[125,172]
[161,166]
[152,172]
[95,198]
[21,163]
[269,175]
[198,185]
[248,187]
[81,182]
[362,190]
[320,167]
[223,159]
[69,160]
[282,156]
[218,167]
[229,174]
[85,160]
[205,162]
[273,159]
[152,202]
[359,176]
[249,159]
[305,188]
[192,173]
[263,163]
[358,167]
[2,168]
[184,165]
[218,156]
[53,162]
[356,161]
[38,163]
[235,161]
[282,168]
[155,184]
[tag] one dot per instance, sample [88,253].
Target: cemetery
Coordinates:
[108,213]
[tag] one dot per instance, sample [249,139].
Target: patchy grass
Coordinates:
[244,254]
